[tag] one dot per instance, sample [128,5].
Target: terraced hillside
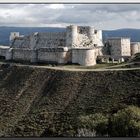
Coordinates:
[45,102]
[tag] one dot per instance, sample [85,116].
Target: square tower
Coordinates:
[119,47]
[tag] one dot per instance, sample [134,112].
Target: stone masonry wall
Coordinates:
[83,36]
[125,47]
[119,47]
[115,48]
[22,54]
[21,42]
[85,57]
[6,51]
[39,40]
[51,40]
[88,35]
[54,55]
[135,48]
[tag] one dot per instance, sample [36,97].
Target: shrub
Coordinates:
[126,122]
[96,123]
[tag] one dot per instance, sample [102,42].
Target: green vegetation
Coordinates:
[96,123]
[126,122]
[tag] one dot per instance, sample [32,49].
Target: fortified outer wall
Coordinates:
[6,52]
[54,55]
[85,56]
[50,55]
[135,47]
[3,50]
[82,56]
[24,55]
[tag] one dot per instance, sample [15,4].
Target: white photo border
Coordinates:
[69,1]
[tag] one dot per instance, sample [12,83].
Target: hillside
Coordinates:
[5,32]
[47,102]
[136,58]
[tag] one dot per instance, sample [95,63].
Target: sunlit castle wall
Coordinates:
[71,35]
[135,48]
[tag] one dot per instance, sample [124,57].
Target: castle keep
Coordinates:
[77,44]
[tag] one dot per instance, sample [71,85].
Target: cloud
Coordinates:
[56,6]
[104,16]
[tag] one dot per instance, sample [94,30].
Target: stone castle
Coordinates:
[77,45]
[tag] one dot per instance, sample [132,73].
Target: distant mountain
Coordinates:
[134,34]
[5,32]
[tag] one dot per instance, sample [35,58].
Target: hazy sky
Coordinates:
[102,16]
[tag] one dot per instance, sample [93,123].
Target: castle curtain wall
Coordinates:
[85,57]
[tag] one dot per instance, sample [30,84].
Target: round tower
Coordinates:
[34,51]
[33,40]
[99,38]
[99,32]
[134,47]
[71,36]
[91,32]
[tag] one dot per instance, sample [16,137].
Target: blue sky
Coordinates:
[102,16]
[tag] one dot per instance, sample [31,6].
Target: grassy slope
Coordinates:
[33,100]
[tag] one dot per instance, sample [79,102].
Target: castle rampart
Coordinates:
[54,55]
[22,54]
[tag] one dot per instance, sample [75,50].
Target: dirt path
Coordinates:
[113,68]
[78,69]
